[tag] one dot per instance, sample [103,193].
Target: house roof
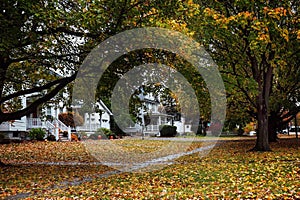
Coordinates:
[105,107]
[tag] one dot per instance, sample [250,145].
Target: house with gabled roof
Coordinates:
[46,117]
[157,117]
[95,120]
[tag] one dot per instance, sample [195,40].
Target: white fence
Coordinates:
[88,127]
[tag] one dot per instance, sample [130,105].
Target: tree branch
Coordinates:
[29,109]
[35,89]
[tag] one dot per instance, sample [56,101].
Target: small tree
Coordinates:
[71,119]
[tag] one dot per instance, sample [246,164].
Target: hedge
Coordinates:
[167,131]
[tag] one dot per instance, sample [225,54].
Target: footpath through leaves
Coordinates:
[228,171]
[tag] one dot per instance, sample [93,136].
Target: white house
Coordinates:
[43,117]
[157,117]
[46,117]
[95,120]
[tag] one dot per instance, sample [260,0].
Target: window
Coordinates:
[49,110]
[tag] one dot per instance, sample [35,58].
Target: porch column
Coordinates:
[69,133]
[56,130]
[90,121]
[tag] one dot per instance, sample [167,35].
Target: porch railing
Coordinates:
[152,128]
[53,127]
[34,123]
[60,126]
[88,127]
[50,127]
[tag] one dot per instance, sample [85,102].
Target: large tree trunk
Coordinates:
[264,87]
[262,141]
[273,126]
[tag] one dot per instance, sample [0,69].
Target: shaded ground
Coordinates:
[228,171]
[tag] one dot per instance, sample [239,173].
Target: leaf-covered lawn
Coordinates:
[228,171]
[27,173]
[39,178]
[129,152]
[44,152]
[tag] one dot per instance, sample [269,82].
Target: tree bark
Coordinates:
[264,87]
[262,141]
[274,122]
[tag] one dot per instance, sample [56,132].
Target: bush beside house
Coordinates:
[102,133]
[167,131]
[37,134]
[51,138]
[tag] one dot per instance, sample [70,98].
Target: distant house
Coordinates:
[157,118]
[95,120]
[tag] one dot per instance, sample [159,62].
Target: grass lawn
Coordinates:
[228,172]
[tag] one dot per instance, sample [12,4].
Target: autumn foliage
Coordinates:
[71,119]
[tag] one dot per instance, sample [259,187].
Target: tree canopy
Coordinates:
[38,52]
[44,42]
[256,45]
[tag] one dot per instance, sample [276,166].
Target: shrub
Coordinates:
[105,132]
[37,134]
[51,138]
[190,134]
[167,131]
[95,136]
